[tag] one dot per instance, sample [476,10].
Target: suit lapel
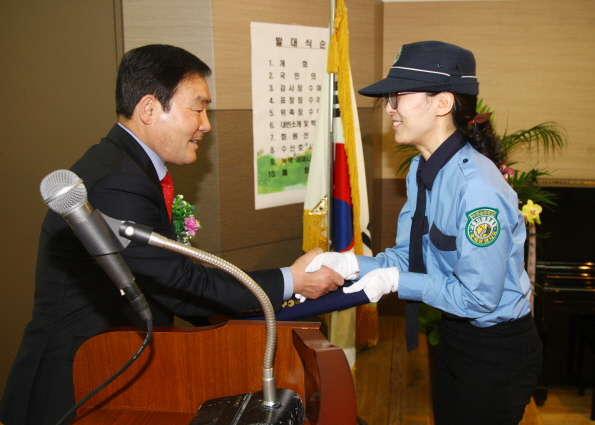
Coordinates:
[126,142]
[131,147]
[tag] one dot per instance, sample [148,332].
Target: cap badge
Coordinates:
[398,55]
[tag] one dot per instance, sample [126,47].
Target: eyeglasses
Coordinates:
[393,98]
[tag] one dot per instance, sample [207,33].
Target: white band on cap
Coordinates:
[421,70]
[432,72]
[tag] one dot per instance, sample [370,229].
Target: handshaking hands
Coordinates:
[317,283]
[345,264]
[375,284]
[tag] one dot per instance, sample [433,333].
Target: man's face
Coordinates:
[175,134]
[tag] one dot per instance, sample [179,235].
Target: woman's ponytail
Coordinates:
[477,129]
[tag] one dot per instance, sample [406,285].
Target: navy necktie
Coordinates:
[416,260]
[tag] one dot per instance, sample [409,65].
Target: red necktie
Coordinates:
[167,185]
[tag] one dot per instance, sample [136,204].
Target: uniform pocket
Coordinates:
[441,241]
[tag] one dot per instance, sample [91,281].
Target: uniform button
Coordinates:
[465,160]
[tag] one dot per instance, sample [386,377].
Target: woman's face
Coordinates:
[414,120]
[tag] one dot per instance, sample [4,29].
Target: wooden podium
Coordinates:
[184,367]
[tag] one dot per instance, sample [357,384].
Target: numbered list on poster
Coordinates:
[288,67]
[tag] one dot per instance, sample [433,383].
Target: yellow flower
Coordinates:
[531,212]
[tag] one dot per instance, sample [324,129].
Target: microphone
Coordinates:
[64,193]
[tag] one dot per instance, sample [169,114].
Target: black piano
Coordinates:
[565,291]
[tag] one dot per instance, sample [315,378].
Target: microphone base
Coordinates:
[245,409]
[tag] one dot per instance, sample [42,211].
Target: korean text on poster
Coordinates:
[288,67]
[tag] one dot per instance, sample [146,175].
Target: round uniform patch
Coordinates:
[483,226]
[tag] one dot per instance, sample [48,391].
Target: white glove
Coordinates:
[345,264]
[376,283]
[300,298]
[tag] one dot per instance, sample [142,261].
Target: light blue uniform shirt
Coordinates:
[161,169]
[474,249]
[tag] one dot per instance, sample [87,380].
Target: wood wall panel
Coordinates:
[183,23]
[242,225]
[534,65]
[231,33]
[58,68]
[389,198]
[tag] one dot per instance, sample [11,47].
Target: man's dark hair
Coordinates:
[156,69]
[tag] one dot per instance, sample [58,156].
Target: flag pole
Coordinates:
[343,324]
[331,135]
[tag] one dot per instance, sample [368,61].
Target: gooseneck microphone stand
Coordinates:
[144,235]
[281,406]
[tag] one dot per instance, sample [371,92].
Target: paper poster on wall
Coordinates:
[288,67]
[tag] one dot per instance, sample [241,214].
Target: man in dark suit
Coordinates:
[161,101]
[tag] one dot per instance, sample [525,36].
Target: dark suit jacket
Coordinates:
[75,300]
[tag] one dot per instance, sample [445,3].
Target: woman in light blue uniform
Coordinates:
[460,241]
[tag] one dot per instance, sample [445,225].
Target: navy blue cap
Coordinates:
[431,66]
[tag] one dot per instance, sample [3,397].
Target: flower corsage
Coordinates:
[185,224]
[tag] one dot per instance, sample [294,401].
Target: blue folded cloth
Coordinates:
[294,310]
